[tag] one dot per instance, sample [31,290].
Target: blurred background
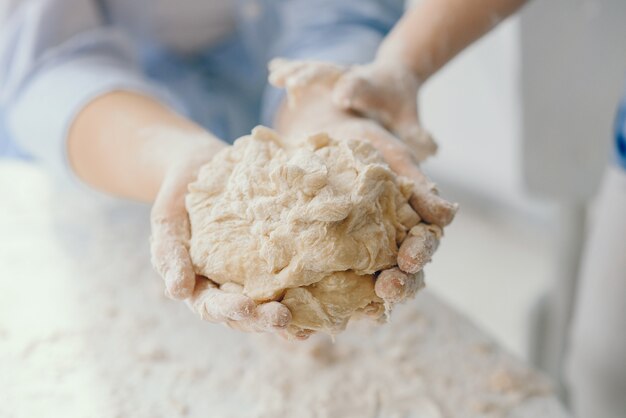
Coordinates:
[524,122]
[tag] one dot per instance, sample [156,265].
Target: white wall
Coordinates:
[573,74]
[473,109]
[530,107]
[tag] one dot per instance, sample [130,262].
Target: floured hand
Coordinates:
[418,247]
[170,257]
[386,94]
[312,81]
[310,86]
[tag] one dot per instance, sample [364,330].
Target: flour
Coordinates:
[94,336]
[308,222]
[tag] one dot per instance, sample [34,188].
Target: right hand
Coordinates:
[364,89]
[401,283]
[310,85]
[170,257]
[386,93]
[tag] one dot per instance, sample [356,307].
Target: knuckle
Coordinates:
[279,316]
[240,308]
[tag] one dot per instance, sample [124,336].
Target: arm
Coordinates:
[423,41]
[433,32]
[126,144]
[75,99]
[132,146]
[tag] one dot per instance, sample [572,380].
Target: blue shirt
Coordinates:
[57,55]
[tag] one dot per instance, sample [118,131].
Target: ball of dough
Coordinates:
[307,223]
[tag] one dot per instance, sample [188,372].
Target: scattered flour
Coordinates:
[86,331]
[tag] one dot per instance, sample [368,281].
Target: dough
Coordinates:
[304,222]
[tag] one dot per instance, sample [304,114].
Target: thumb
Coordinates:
[356,92]
[418,139]
[169,239]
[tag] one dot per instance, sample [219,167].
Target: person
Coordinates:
[138,124]
[131,98]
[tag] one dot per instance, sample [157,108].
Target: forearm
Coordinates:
[124,144]
[433,32]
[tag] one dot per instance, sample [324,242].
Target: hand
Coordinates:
[386,93]
[131,145]
[309,86]
[170,257]
[309,89]
[397,284]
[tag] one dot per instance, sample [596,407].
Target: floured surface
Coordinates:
[309,220]
[82,334]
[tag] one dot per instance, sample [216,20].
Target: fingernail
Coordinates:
[303,334]
[389,290]
[282,318]
[243,309]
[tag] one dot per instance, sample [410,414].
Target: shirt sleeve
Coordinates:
[55,57]
[343,32]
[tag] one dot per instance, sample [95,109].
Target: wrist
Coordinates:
[170,146]
[173,154]
[394,55]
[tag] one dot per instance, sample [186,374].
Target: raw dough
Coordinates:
[304,222]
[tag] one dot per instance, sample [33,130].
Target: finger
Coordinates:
[312,76]
[395,152]
[352,92]
[299,76]
[215,305]
[419,141]
[298,334]
[431,207]
[374,310]
[170,237]
[317,72]
[280,69]
[394,285]
[418,248]
[272,315]
[356,93]
[293,333]
[268,317]
[171,260]
[283,71]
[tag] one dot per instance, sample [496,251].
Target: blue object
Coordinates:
[8,148]
[62,54]
[620,134]
[225,89]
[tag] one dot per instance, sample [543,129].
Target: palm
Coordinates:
[170,257]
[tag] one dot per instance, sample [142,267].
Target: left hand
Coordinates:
[170,256]
[386,93]
[309,85]
[309,88]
